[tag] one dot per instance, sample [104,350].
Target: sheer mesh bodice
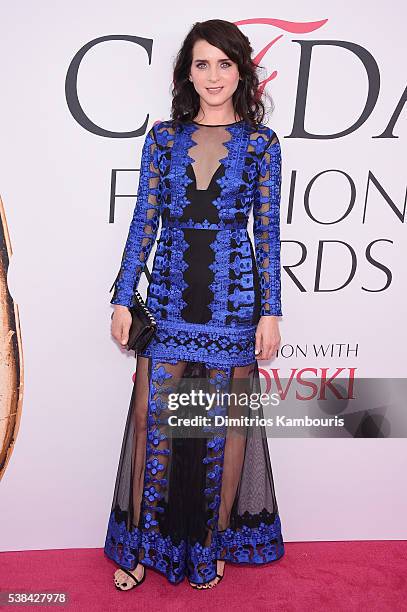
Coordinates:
[208,153]
[181,503]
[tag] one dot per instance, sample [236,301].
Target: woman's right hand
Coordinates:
[121,322]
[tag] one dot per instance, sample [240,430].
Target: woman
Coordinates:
[184,506]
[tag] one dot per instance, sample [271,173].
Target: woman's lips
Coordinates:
[214,90]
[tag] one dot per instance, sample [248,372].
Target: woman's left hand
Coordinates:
[267,337]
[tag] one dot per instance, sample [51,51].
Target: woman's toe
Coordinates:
[122,580]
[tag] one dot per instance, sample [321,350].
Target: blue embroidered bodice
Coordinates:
[202,182]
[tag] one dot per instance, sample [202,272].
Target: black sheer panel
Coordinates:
[208,152]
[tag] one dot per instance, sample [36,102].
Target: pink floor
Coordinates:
[364,576]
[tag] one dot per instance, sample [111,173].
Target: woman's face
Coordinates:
[214,76]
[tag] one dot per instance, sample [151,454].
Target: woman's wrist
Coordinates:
[118,308]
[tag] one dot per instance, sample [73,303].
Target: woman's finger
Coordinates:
[124,335]
[258,343]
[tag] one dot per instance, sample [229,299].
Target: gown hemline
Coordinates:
[261,562]
[162,572]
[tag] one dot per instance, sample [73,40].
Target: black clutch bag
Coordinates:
[143,325]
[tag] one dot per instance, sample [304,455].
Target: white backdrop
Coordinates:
[55,185]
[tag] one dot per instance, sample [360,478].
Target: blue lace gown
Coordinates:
[180,504]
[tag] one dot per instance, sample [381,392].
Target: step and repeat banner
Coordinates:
[81,86]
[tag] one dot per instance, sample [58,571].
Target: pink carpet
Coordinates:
[363,576]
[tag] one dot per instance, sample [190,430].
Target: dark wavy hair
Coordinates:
[226,36]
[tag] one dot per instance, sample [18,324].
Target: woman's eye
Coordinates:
[227,64]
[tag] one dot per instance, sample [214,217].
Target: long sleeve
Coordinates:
[266,228]
[143,227]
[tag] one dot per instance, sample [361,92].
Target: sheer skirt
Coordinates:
[181,503]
